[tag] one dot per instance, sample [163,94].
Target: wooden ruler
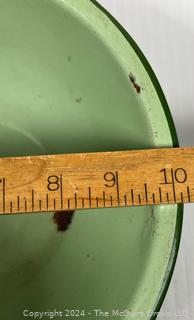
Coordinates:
[96,180]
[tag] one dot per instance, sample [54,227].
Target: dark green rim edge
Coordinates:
[161,96]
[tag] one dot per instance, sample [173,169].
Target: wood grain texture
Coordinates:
[96,180]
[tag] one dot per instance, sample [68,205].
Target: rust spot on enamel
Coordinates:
[135,85]
[63,219]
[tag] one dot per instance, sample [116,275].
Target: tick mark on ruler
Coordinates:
[117,183]
[47,201]
[3,194]
[18,202]
[104,199]
[25,204]
[11,206]
[68,203]
[146,192]
[75,197]
[54,203]
[61,190]
[173,186]
[160,194]
[132,196]
[40,205]
[89,194]
[83,204]
[32,200]
[125,199]
[111,201]
[188,193]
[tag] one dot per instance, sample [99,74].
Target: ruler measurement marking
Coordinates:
[125,199]
[47,201]
[188,193]
[18,203]
[117,184]
[111,201]
[3,194]
[90,199]
[146,192]
[32,200]
[104,198]
[25,204]
[40,205]
[68,203]
[132,196]
[83,205]
[61,190]
[142,191]
[173,185]
[11,206]
[54,204]
[160,194]
[75,197]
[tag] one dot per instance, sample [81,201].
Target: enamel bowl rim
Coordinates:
[170,122]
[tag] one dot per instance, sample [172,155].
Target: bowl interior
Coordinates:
[64,90]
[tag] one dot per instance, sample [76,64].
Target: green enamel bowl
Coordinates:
[72,80]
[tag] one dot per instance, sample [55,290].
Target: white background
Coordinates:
[164,30]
